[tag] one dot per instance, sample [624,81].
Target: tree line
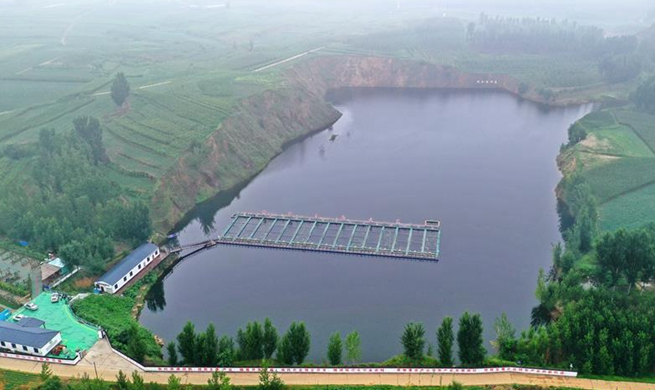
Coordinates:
[65,202]
[619,58]
[595,305]
[261,342]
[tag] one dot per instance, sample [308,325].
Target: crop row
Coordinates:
[643,124]
[620,176]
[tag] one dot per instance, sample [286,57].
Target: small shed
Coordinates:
[52,269]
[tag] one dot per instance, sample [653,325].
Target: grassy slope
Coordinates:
[618,162]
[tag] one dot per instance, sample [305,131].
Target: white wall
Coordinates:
[30,350]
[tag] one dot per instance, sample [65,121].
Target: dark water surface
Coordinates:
[481,162]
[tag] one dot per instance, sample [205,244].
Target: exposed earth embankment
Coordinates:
[263,124]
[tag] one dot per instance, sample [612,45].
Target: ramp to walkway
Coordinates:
[340,235]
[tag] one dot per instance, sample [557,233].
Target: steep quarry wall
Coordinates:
[326,73]
[262,124]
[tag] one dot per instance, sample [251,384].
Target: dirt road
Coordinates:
[104,362]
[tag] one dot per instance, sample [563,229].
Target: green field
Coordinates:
[191,65]
[617,161]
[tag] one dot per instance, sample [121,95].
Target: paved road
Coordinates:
[103,360]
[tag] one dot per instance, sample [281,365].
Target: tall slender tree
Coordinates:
[353,347]
[413,340]
[335,348]
[226,353]
[469,339]
[120,89]
[300,341]
[186,343]
[209,347]
[445,339]
[270,339]
[172,354]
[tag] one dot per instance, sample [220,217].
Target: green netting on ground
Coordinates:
[58,316]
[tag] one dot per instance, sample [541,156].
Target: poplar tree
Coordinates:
[300,341]
[270,339]
[413,340]
[445,339]
[353,347]
[226,352]
[335,348]
[120,89]
[172,354]
[209,347]
[469,340]
[186,343]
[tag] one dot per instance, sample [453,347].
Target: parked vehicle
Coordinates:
[18,317]
[54,298]
[31,306]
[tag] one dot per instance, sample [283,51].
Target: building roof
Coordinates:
[48,270]
[124,266]
[30,322]
[59,263]
[31,337]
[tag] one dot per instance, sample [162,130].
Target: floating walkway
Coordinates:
[340,235]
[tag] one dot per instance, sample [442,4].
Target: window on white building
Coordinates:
[36,350]
[24,348]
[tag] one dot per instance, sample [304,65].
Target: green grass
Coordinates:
[644,379]
[10,380]
[620,176]
[204,60]
[618,163]
[114,314]
[630,210]
[620,140]
[642,124]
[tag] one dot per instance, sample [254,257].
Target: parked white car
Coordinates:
[54,298]
[18,317]
[31,306]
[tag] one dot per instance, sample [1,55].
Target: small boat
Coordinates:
[172,236]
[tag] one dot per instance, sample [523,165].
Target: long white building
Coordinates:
[127,268]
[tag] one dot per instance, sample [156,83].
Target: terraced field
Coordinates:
[190,66]
[617,160]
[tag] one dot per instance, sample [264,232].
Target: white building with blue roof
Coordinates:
[128,268]
[28,337]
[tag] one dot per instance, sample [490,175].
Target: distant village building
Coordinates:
[127,269]
[28,337]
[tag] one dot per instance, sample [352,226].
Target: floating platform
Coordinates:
[338,235]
